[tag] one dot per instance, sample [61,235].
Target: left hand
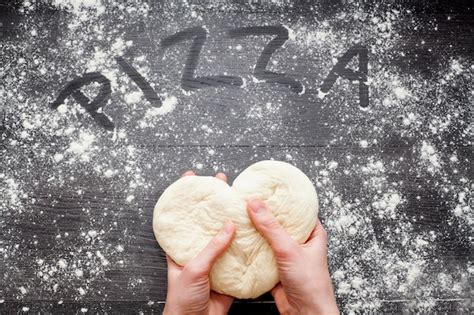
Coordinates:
[189,290]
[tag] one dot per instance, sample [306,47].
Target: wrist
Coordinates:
[328,308]
[176,311]
[322,299]
[324,306]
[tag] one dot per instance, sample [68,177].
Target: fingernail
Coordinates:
[225,231]
[257,206]
[228,227]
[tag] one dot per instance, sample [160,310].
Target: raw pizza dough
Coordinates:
[194,208]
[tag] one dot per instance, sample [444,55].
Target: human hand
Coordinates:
[305,284]
[189,290]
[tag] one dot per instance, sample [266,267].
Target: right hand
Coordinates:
[189,288]
[305,284]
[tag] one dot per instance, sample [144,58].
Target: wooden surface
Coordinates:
[71,214]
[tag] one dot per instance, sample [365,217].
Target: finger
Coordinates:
[221,176]
[277,290]
[318,234]
[281,301]
[269,227]
[220,303]
[314,232]
[173,268]
[202,263]
[188,173]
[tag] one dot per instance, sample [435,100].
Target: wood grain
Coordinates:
[306,131]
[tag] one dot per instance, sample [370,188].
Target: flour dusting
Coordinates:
[394,178]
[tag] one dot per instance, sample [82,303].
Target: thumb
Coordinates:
[202,263]
[173,268]
[269,227]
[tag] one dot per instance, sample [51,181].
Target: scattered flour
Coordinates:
[78,6]
[169,104]
[430,156]
[82,146]
[374,204]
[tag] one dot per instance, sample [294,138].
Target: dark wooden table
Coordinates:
[103,107]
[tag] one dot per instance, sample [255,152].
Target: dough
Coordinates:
[194,208]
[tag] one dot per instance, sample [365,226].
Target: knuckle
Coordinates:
[216,243]
[272,224]
[193,270]
[287,250]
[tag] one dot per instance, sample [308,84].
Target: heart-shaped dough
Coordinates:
[194,208]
